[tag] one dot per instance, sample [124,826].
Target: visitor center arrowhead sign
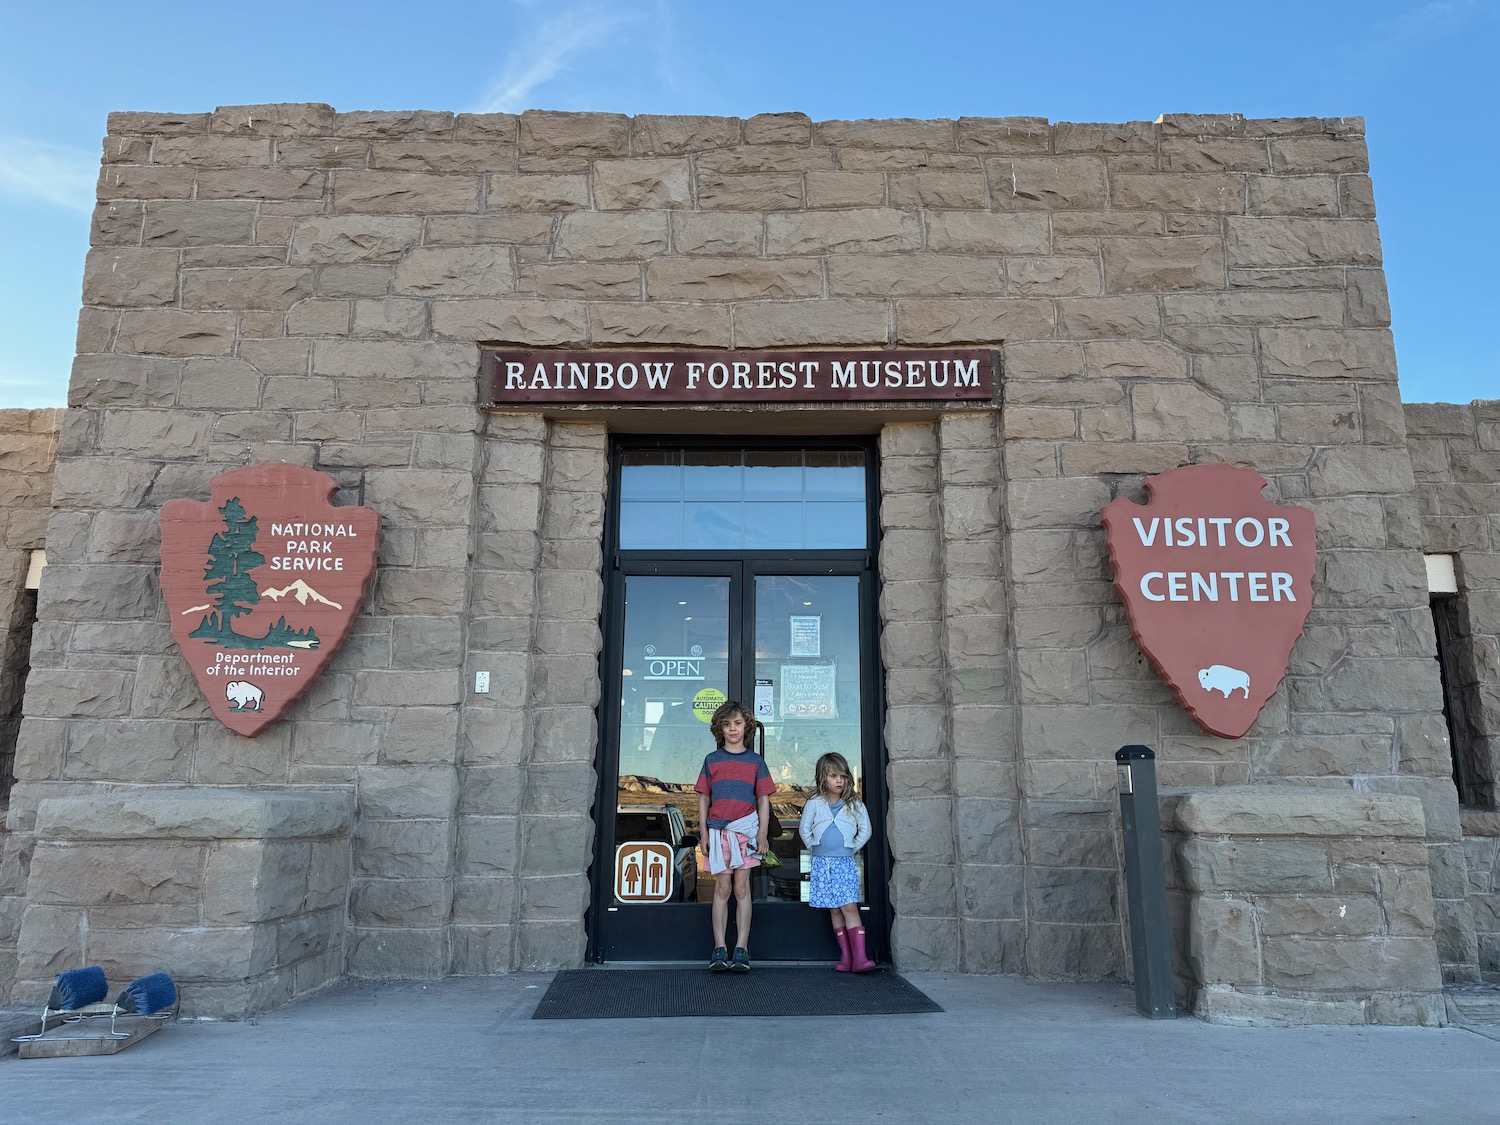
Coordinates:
[1217,583]
[263,584]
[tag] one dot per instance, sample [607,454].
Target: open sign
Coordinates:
[674,668]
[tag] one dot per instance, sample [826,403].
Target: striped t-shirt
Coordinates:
[733,782]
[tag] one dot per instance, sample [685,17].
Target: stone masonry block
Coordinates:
[1225,948]
[196,813]
[1319,154]
[246,881]
[1302,242]
[655,183]
[325,240]
[657,323]
[991,322]
[1161,191]
[867,230]
[869,275]
[778,128]
[758,191]
[1139,265]
[930,944]
[130,277]
[261,183]
[1054,183]
[550,323]
[395,193]
[102,874]
[1004,135]
[788,324]
[731,279]
[573,137]
[538,192]
[1329,354]
[479,271]
[596,236]
[274,120]
[968,232]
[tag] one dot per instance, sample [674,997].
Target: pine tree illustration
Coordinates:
[232,556]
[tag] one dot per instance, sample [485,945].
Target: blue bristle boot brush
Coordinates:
[78,988]
[148,995]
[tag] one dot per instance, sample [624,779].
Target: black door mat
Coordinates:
[598,994]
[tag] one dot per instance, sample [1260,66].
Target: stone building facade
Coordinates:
[28,449]
[286,283]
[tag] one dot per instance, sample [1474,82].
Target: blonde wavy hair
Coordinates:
[828,765]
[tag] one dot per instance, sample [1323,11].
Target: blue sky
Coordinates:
[1422,73]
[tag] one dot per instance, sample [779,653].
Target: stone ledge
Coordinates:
[198,813]
[1272,810]
[17,1021]
[1479,822]
[1234,1008]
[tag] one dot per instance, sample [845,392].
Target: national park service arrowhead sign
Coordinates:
[263,584]
[1217,582]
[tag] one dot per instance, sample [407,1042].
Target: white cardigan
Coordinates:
[817,816]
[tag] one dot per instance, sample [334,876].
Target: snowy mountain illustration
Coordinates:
[302,592]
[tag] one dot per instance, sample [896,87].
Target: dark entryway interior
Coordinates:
[1473,772]
[15,660]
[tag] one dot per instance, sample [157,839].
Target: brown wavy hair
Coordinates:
[727,710]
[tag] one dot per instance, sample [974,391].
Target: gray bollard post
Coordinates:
[1145,884]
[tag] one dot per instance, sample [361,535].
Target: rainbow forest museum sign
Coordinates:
[513,378]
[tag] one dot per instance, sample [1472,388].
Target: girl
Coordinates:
[835,826]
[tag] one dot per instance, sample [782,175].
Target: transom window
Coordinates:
[766,499]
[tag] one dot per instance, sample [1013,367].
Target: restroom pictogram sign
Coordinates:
[643,872]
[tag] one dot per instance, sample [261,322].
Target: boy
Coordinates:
[734,805]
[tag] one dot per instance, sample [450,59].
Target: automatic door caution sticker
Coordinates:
[706,702]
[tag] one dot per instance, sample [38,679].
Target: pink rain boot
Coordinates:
[841,936]
[860,962]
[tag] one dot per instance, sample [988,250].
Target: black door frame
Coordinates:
[682,940]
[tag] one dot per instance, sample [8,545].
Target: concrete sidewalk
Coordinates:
[1005,1050]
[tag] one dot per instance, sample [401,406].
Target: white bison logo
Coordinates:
[1222,678]
[244,695]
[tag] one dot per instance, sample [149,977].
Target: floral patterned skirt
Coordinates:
[835,881]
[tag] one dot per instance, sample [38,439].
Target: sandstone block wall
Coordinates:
[28,451]
[1304,906]
[288,283]
[1482,861]
[1456,456]
[240,895]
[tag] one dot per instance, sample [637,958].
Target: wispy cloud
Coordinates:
[550,49]
[1420,25]
[55,174]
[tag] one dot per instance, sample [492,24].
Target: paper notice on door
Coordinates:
[807,636]
[808,691]
[765,699]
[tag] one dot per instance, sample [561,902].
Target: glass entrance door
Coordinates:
[793,643]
